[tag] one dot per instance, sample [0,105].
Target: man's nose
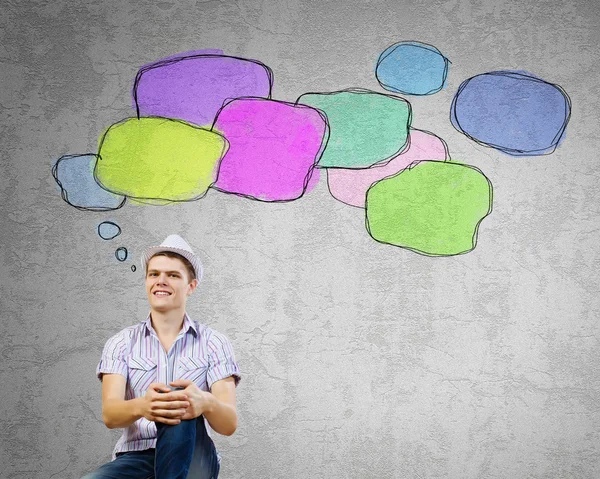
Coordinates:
[162,278]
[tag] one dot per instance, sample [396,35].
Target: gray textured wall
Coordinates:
[359,359]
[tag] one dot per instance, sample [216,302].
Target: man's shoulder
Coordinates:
[216,339]
[126,334]
[208,333]
[203,329]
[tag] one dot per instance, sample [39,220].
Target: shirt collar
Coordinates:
[187,325]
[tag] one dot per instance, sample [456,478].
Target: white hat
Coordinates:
[175,244]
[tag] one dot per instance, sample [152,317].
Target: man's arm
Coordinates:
[222,415]
[117,412]
[217,406]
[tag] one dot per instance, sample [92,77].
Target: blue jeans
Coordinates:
[182,451]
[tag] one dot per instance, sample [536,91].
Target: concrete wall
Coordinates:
[359,359]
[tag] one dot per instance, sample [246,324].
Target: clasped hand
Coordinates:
[161,404]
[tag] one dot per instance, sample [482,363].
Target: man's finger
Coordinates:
[159,405]
[159,387]
[165,420]
[181,383]
[173,396]
[188,415]
[168,413]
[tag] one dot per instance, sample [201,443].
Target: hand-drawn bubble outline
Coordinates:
[121,249]
[311,168]
[65,195]
[110,223]
[362,91]
[170,61]
[153,201]
[189,53]
[447,159]
[522,76]
[423,253]
[424,46]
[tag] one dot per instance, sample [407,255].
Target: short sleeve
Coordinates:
[113,357]
[221,360]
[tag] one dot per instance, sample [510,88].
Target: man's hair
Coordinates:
[186,263]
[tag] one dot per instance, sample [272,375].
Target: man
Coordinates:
[163,378]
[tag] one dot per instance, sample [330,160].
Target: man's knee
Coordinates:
[176,433]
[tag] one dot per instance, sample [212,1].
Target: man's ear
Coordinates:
[192,286]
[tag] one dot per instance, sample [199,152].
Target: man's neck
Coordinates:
[168,324]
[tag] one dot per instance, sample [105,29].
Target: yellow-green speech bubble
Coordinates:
[159,160]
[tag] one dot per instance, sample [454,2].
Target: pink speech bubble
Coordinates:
[350,185]
[273,148]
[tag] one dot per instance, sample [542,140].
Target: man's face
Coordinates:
[167,284]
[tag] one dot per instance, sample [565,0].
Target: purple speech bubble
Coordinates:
[194,87]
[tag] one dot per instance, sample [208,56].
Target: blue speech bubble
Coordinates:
[512,111]
[412,68]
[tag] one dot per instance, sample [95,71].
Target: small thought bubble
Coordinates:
[75,178]
[121,253]
[108,230]
[133,268]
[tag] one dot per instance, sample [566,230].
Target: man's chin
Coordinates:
[161,307]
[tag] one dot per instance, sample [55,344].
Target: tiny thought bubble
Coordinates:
[121,253]
[108,230]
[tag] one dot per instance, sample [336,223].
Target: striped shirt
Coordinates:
[199,354]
